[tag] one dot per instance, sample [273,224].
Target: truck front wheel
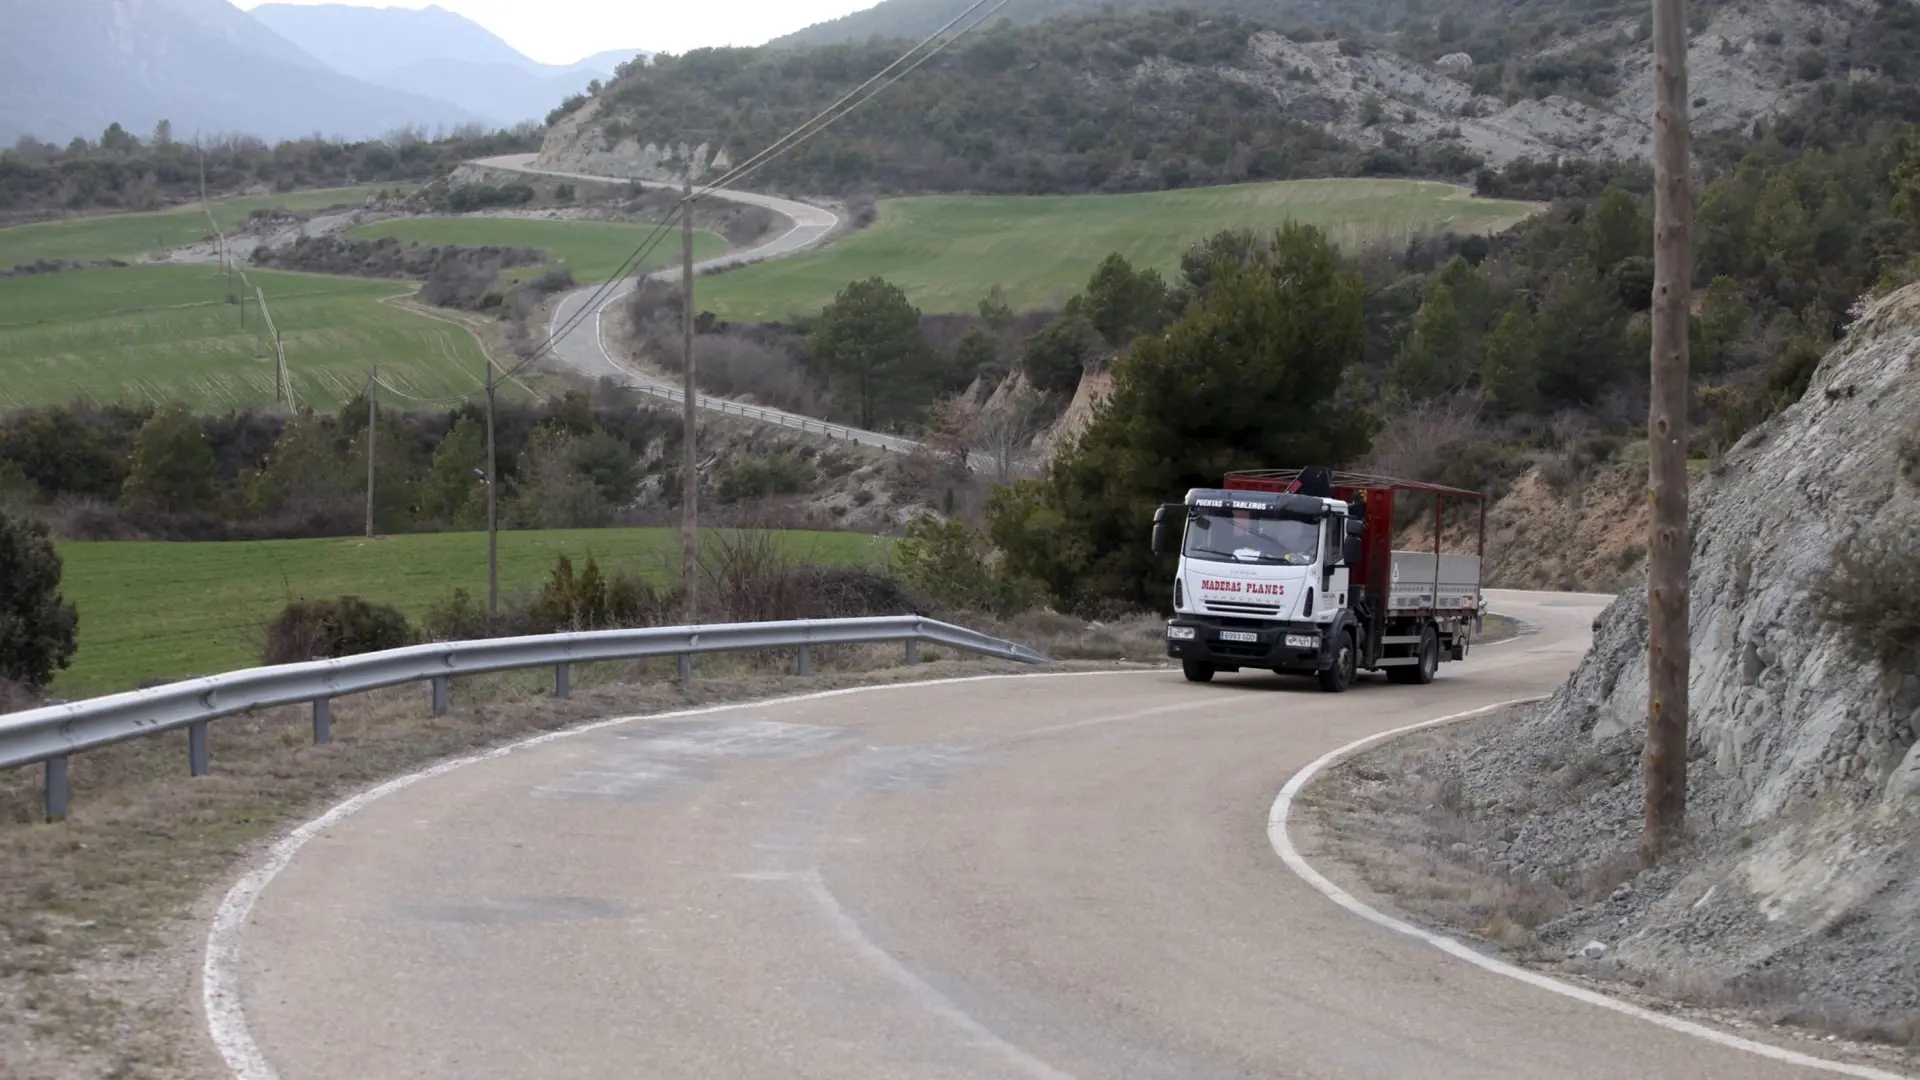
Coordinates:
[1197,670]
[1337,677]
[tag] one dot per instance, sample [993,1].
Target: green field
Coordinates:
[166,333]
[593,250]
[128,236]
[151,610]
[945,251]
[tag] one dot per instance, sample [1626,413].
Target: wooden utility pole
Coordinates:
[493,511]
[689,479]
[1669,547]
[373,420]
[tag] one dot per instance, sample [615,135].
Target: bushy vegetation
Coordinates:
[121,171]
[1871,594]
[1247,377]
[38,628]
[386,257]
[327,629]
[123,473]
[955,567]
[1054,107]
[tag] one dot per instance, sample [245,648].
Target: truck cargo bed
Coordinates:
[1424,581]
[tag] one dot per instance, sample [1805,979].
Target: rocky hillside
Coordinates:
[1141,100]
[1803,876]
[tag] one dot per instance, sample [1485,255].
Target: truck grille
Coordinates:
[1244,609]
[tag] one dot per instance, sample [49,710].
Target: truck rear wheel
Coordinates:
[1197,670]
[1336,678]
[1428,654]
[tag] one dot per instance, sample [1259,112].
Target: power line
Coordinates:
[824,119]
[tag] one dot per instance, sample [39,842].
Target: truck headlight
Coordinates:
[1302,641]
[1180,633]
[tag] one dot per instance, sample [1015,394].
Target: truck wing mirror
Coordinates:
[1350,551]
[1356,527]
[1167,521]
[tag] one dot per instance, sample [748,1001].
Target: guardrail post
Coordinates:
[197,748]
[57,788]
[913,650]
[442,695]
[803,660]
[684,664]
[322,721]
[563,680]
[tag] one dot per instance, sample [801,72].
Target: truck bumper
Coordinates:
[1281,646]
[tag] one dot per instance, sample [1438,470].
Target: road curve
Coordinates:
[1023,877]
[584,348]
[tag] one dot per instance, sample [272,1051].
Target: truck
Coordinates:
[1294,571]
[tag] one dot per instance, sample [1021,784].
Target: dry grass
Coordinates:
[1407,829]
[99,919]
[1399,821]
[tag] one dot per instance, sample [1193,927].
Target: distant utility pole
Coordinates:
[280,369]
[689,480]
[1668,544]
[493,512]
[373,421]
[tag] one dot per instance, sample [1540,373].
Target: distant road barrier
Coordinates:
[50,734]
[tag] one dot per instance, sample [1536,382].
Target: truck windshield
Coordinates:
[1239,536]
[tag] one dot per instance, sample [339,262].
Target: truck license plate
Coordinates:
[1238,635]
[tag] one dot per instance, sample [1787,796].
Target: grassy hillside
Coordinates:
[594,250]
[167,333]
[150,610]
[129,236]
[945,251]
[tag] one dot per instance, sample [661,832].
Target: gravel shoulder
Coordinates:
[1529,848]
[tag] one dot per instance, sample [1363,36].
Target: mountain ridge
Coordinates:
[72,68]
[436,53]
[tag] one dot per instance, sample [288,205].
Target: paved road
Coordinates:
[585,350]
[1063,876]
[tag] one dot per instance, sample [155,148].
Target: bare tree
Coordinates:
[1005,433]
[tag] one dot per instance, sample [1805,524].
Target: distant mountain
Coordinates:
[71,67]
[367,42]
[437,53]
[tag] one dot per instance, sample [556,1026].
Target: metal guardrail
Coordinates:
[50,734]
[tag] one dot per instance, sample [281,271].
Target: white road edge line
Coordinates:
[1283,846]
[219,982]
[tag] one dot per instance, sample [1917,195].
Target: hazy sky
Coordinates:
[563,31]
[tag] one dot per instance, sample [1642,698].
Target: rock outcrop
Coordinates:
[1804,786]
[584,143]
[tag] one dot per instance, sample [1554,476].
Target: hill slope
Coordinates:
[1805,785]
[73,67]
[436,53]
[1142,100]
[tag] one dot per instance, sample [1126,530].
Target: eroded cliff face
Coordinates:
[1802,872]
[1783,709]
[584,142]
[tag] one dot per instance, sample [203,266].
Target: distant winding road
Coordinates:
[585,350]
[1017,878]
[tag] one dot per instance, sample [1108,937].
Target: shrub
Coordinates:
[458,618]
[571,601]
[760,477]
[323,629]
[953,566]
[37,627]
[1054,359]
[1871,594]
